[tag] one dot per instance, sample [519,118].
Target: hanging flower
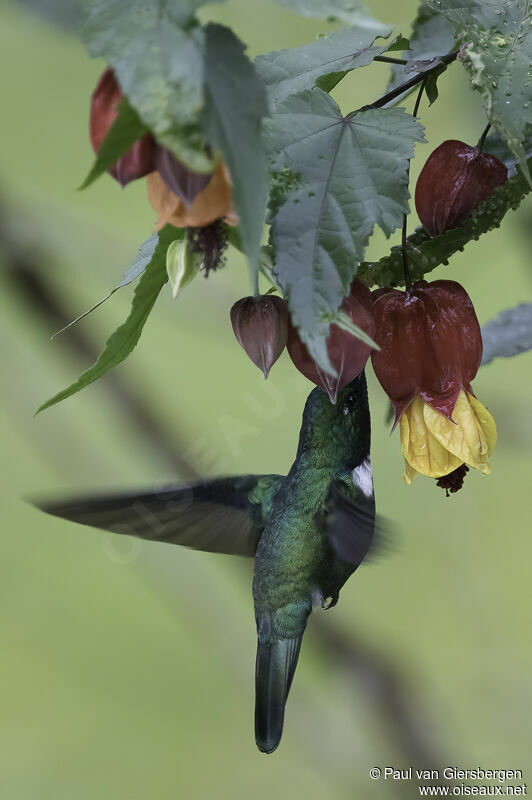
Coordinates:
[347,354]
[431,347]
[139,159]
[260,325]
[454,180]
[186,199]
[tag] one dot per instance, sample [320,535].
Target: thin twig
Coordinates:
[389,60]
[483,137]
[406,269]
[404,87]
[418,100]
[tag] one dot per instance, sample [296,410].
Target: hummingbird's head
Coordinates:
[341,429]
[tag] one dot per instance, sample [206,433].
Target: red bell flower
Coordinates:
[454,180]
[347,354]
[431,348]
[430,343]
[139,159]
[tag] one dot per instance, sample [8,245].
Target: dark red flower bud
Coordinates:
[139,159]
[261,327]
[454,180]
[347,354]
[180,179]
[430,344]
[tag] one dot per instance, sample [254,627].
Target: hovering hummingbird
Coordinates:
[308,532]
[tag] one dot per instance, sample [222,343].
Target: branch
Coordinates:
[405,717]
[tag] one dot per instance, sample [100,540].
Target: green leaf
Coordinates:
[235,104]
[323,62]
[431,84]
[135,269]
[498,147]
[155,48]
[346,323]
[399,43]
[498,55]
[432,35]
[124,339]
[123,133]
[353,175]
[425,253]
[509,334]
[352,12]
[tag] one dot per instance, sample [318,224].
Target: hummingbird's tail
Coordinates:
[275,667]
[276,664]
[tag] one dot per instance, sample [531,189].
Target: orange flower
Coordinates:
[213,202]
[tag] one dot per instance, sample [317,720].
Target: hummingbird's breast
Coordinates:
[294,550]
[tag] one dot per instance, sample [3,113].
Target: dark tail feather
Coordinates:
[276,664]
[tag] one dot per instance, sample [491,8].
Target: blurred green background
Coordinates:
[127,668]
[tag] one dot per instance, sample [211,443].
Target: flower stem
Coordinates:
[482,139]
[406,269]
[255,281]
[418,99]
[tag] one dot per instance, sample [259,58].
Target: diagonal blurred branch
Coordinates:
[396,704]
[400,711]
[66,14]
[23,267]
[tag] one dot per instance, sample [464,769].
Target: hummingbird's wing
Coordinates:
[349,522]
[224,515]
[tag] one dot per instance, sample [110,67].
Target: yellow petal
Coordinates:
[409,473]
[467,437]
[423,451]
[486,422]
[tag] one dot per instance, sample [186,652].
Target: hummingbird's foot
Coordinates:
[329,602]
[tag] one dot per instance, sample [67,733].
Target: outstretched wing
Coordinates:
[225,515]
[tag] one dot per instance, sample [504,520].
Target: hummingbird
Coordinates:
[307,531]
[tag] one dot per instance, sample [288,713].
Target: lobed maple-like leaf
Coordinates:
[322,63]
[352,12]
[352,174]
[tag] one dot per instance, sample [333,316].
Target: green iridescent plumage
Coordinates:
[308,532]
